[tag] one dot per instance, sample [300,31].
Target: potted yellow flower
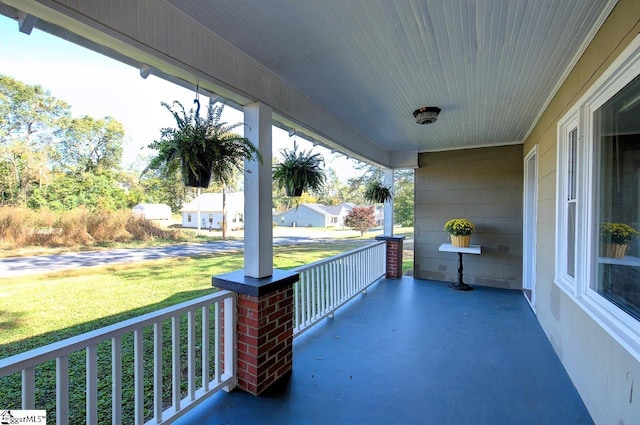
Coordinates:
[615,238]
[460,231]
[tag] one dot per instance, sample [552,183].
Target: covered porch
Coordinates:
[415,351]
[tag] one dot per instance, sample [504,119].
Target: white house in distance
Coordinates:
[315,215]
[153,211]
[210,207]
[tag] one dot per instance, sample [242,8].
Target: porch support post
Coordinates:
[264,330]
[258,218]
[388,206]
[394,255]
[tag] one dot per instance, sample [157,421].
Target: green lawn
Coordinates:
[41,309]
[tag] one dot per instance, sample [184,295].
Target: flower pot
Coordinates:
[193,180]
[293,191]
[614,250]
[460,241]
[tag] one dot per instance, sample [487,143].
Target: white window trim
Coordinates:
[565,281]
[620,325]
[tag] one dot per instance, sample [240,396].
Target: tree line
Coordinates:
[51,159]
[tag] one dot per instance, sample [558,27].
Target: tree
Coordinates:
[88,145]
[334,192]
[30,119]
[68,191]
[403,201]
[360,219]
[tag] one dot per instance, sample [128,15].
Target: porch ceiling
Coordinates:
[350,73]
[491,66]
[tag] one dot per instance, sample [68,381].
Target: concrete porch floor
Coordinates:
[416,352]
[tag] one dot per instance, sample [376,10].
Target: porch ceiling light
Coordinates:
[426,114]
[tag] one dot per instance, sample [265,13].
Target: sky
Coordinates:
[99,86]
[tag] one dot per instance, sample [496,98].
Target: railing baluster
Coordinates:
[92,384]
[157,371]
[230,351]
[62,390]
[116,380]
[296,307]
[334,286]
[138,376]
[323,288]
[314,291]
[206,341]
[191,354]
[175,362]
[218,346]
[28,388]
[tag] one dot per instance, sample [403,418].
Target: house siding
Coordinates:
[302,217]
[484,186]
[600,368]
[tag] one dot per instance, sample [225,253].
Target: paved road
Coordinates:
[20,266]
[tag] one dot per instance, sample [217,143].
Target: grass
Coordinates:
[41,309]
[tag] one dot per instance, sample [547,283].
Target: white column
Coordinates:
[258,218]
[388,206]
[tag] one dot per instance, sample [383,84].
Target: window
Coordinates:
[572,165]
[598,183]
[567,202]
[616,133]
[188,218]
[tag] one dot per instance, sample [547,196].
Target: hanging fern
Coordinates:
[202,148]
[299,171]
[377,193]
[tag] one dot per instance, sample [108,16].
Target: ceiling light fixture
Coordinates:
[426,114]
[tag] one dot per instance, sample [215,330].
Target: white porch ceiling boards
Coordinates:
[351,72]
[491,66]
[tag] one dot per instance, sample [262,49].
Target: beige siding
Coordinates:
[602,370]
[484,186]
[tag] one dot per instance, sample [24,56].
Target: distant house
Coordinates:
[313,215]
[153,211]
[210,207]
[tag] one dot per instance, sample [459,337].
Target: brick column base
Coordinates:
[394,255]
[264,327]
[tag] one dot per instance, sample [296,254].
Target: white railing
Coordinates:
[179,372]
[326,285]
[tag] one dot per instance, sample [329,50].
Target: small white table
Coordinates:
[471,249]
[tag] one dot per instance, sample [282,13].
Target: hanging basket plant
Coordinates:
[299,171]
[377,193]
[201,147]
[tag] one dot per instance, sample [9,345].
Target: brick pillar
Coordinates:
[394,255]
[264,327]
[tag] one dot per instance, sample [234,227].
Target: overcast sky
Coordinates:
[99,86]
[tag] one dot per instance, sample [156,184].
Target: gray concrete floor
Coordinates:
[416,352]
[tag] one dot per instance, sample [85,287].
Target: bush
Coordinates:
[142,229]
[360,219]
[22,227]
[14,226]
[109,226]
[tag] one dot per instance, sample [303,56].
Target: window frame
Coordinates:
[620,325]
[565,127]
